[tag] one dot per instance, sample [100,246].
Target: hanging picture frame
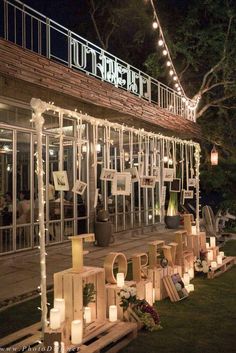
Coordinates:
[175,185]
[121,184]
[134,174]
[147,182]
[156,173]
[108,174]
[79,187]
[188,194]
[191,182]
[61,181]
[163,195]
[168,174]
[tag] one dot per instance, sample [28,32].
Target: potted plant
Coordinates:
[172,217]
[103,227]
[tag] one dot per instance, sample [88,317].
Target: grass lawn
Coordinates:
[203,323]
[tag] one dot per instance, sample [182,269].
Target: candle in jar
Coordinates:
[191,273]
[55,319]
[191,287]
[207,245]
[59,303]
[112,313]
[194,230]
[76,331]
[219,260]
[87,315]
[210,255]
[120,279]
[222,254]
[186,279]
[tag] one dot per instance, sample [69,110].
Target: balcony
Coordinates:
[31,30]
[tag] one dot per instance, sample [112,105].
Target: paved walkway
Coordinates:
[20,273]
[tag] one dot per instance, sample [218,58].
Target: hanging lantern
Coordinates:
[214,156]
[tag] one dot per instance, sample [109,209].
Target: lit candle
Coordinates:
[62,347]
[112,313]
[191,273]
[76,331]
[194,230]
[213,264]
[207,245]
[87,315]
[219,260]
[191,287]
[120,279]
[212,242]
[210,255]
[59,303]
[186,279]
[222,254]
[55,319]
[56,347]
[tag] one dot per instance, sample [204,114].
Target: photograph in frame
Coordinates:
[175,185]
[188,194]
[191,182]
[168,174]
[79,187]
[108,174]
[61,181]
[147,182]
[121,184]
[134,174]
[156,173]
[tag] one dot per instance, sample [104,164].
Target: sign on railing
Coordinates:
[32,30]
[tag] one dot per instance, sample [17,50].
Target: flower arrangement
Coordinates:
[146,313]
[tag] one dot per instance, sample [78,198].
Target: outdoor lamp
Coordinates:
[214,156]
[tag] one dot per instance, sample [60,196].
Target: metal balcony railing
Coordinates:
[30,29]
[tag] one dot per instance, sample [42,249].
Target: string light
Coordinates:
[191,104]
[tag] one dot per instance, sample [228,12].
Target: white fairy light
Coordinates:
[171,72]
[175,78]
[164,52]
[154,25]
[160,42]
[168,63]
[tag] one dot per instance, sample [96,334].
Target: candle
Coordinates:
[194,230]
[55,317]
[186,279]
[62,347]
[120,279]
[219,260]
[56,347]
[222,254]
[76,331]
[87,315]
[59,304]
[210,255]
[213,264]
[191,287]
[207,245]
[112,313]
[191,273]
[212,242]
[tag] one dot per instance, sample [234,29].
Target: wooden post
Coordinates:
[188,219]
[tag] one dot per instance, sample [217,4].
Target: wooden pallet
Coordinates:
[28,337]
[228,262]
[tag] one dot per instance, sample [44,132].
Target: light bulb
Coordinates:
[171,72]
[164,52]
[176,85]
[160,42]
[154,25]
[175,78]
[178,89]
[168,63]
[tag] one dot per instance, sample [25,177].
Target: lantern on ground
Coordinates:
[214,156]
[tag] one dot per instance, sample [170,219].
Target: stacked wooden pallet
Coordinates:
[227,263]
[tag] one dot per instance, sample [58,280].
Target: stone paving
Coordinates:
[20,273]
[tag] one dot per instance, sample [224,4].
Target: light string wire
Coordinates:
[173,73]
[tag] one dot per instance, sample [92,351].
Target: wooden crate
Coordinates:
[228,263]
[171,290]
[69,285]
[113,298]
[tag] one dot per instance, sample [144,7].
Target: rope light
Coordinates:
[169,63]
